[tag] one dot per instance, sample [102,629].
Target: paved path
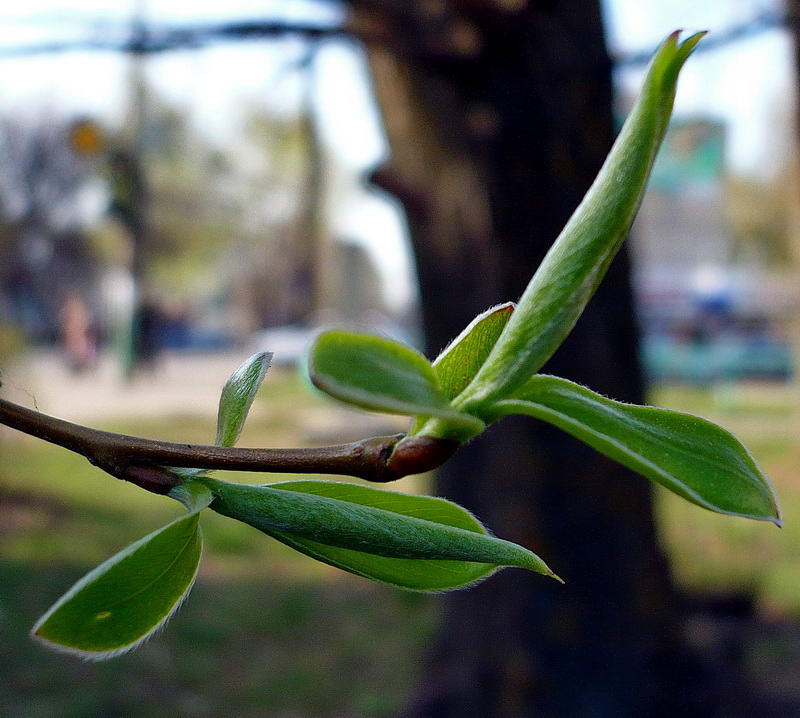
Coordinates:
[182,384]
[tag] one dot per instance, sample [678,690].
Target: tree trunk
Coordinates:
[499,116]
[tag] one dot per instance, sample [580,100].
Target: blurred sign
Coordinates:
[86,138]
[693,153]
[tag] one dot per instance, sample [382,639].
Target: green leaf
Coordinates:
[579,258]
[382,375]
[122,602]
[194,495]
[696,459]
[416,542]
[234,405]
[464,356]
[416,574]
[237,397]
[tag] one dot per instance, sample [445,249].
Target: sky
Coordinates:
[749,85]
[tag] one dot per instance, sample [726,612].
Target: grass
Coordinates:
[269,632]
[244,647]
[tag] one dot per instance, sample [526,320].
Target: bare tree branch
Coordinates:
[145,462]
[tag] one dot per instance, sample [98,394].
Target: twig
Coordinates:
[145,462]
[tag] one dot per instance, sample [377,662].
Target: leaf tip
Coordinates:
[39,636]
[689,43]
[264,360]
[503,308]
[686,48]
[535,563]
[671,56]
[777,515]
[67,650]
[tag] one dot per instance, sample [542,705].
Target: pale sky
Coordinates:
[749,85]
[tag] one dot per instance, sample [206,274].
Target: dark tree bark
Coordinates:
[499,116]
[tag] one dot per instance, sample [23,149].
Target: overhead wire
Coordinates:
[153,39]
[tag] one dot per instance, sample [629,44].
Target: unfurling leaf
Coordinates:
[464,356]
[579,258]
[382,375]
[237,397]
[234,405]
[122,602]
[693,457]
[417,542]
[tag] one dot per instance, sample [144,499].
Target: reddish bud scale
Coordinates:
[418,454]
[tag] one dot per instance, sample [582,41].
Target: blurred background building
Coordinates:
[715,297]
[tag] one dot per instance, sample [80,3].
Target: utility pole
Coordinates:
[308,275]
[130,187]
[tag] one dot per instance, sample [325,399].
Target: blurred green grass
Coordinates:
[716,554]
[269,632]
[243,647]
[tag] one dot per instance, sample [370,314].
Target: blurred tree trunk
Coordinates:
[498,114]
[792,8]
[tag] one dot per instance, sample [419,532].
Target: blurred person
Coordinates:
[76,332]
[148,335]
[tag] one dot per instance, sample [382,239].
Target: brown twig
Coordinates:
[144,462]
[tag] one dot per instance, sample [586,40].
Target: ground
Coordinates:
[270,632]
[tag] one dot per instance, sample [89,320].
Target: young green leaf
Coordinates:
[382,375]
[416,542]
[237,397]
[462,358]
[234,405]
[122,602]
[578,260]
[415,574]
[696,459]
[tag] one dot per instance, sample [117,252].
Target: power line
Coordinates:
[154,40]
[764,22]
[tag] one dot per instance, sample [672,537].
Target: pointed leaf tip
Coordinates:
[687,47]
[463,357]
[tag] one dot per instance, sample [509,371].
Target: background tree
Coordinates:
[224,228]
[498,117]
[49,194]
